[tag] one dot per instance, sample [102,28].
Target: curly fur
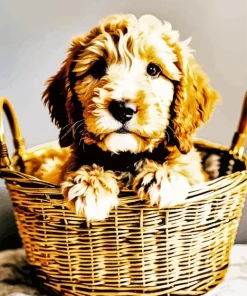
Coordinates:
[155,152]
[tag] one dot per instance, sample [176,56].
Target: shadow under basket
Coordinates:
[138,249]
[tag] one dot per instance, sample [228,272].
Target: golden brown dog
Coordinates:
[128,99]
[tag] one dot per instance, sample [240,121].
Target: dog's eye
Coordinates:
[153,70]
[98,69]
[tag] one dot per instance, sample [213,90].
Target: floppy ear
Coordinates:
[55,96]
[193,104]
[58,95]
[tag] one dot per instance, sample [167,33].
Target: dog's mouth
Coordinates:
[122,139]
[100,138]
[123,130]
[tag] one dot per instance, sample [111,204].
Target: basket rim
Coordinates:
[204,191]
[197,141]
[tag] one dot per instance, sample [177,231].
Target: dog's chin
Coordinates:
[123,142]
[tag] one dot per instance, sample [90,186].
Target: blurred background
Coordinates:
[34,37]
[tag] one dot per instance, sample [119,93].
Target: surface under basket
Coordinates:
[139,249]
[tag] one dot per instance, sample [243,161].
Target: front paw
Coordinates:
[91,192]
[160,186]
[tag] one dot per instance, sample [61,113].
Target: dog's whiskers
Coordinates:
[71,127]
[172,131]
[70,124]
[168,136]
[79,126]
[83,144]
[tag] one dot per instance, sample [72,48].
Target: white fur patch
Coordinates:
[122,142]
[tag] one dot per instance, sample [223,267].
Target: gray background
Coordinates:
[34,36]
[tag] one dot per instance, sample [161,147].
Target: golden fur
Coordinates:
[115,61]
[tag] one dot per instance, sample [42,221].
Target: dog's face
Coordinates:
[129,85]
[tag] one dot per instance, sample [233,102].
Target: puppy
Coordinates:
[127,100]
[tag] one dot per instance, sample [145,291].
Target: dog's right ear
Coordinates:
[58,95]
[59,90]
[55,96]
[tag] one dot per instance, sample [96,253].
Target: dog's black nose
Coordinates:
[122,111]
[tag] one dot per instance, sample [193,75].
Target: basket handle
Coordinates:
[19,144]
[240,136]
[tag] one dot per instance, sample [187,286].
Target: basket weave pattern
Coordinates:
[183,250]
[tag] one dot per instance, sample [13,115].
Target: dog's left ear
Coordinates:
[193,104]
[58,95]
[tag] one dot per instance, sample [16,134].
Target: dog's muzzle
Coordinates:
[122,111]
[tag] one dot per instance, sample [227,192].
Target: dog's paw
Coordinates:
[161,186]
[91,192]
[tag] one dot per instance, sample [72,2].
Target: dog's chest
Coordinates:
[122,162]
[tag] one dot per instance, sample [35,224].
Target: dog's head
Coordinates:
[129,85]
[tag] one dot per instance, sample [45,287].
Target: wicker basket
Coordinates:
[138,250]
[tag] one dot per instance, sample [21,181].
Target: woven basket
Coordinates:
[139,249]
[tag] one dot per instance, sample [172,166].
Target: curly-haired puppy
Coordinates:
[128,99]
